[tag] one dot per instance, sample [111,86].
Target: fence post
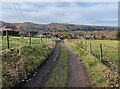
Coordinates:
[81,44]
[90,48]
[7,36]
[41,39]
[85,46]
[77,40]
[101,56]
[46,39]
[29,39]
[2,34]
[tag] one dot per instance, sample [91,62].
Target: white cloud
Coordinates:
[79,13]
[60,0]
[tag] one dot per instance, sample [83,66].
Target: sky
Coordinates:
[84,13]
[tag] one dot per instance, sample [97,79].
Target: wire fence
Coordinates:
[17,42]
[108,55]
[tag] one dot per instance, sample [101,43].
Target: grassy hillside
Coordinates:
[60,27]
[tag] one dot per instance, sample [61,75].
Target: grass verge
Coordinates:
[17,64]
[99,74]
[59,74]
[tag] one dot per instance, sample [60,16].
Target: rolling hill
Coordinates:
[61,27]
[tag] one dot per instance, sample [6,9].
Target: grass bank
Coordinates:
[99,74]
[18,63]
[59,75]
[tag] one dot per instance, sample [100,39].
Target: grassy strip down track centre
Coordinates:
[19,63]
[99,74]
[60,73]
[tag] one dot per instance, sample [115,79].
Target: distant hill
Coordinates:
[73,27]
[61,27]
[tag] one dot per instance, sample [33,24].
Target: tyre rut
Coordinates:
[78,74]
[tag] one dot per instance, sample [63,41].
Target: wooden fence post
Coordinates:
[90,48]
[29,39]
[41,39]
[2,34]
[77,40]
[81,44]
[7,39]
[101,56]
[45,38]
[85,46]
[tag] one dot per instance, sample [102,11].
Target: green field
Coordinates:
[109,50]
[19,42]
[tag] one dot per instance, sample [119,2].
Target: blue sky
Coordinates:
[85,13]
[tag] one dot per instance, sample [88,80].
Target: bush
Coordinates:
[11,33]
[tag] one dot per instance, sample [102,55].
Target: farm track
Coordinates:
[41,76]
[78,75]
